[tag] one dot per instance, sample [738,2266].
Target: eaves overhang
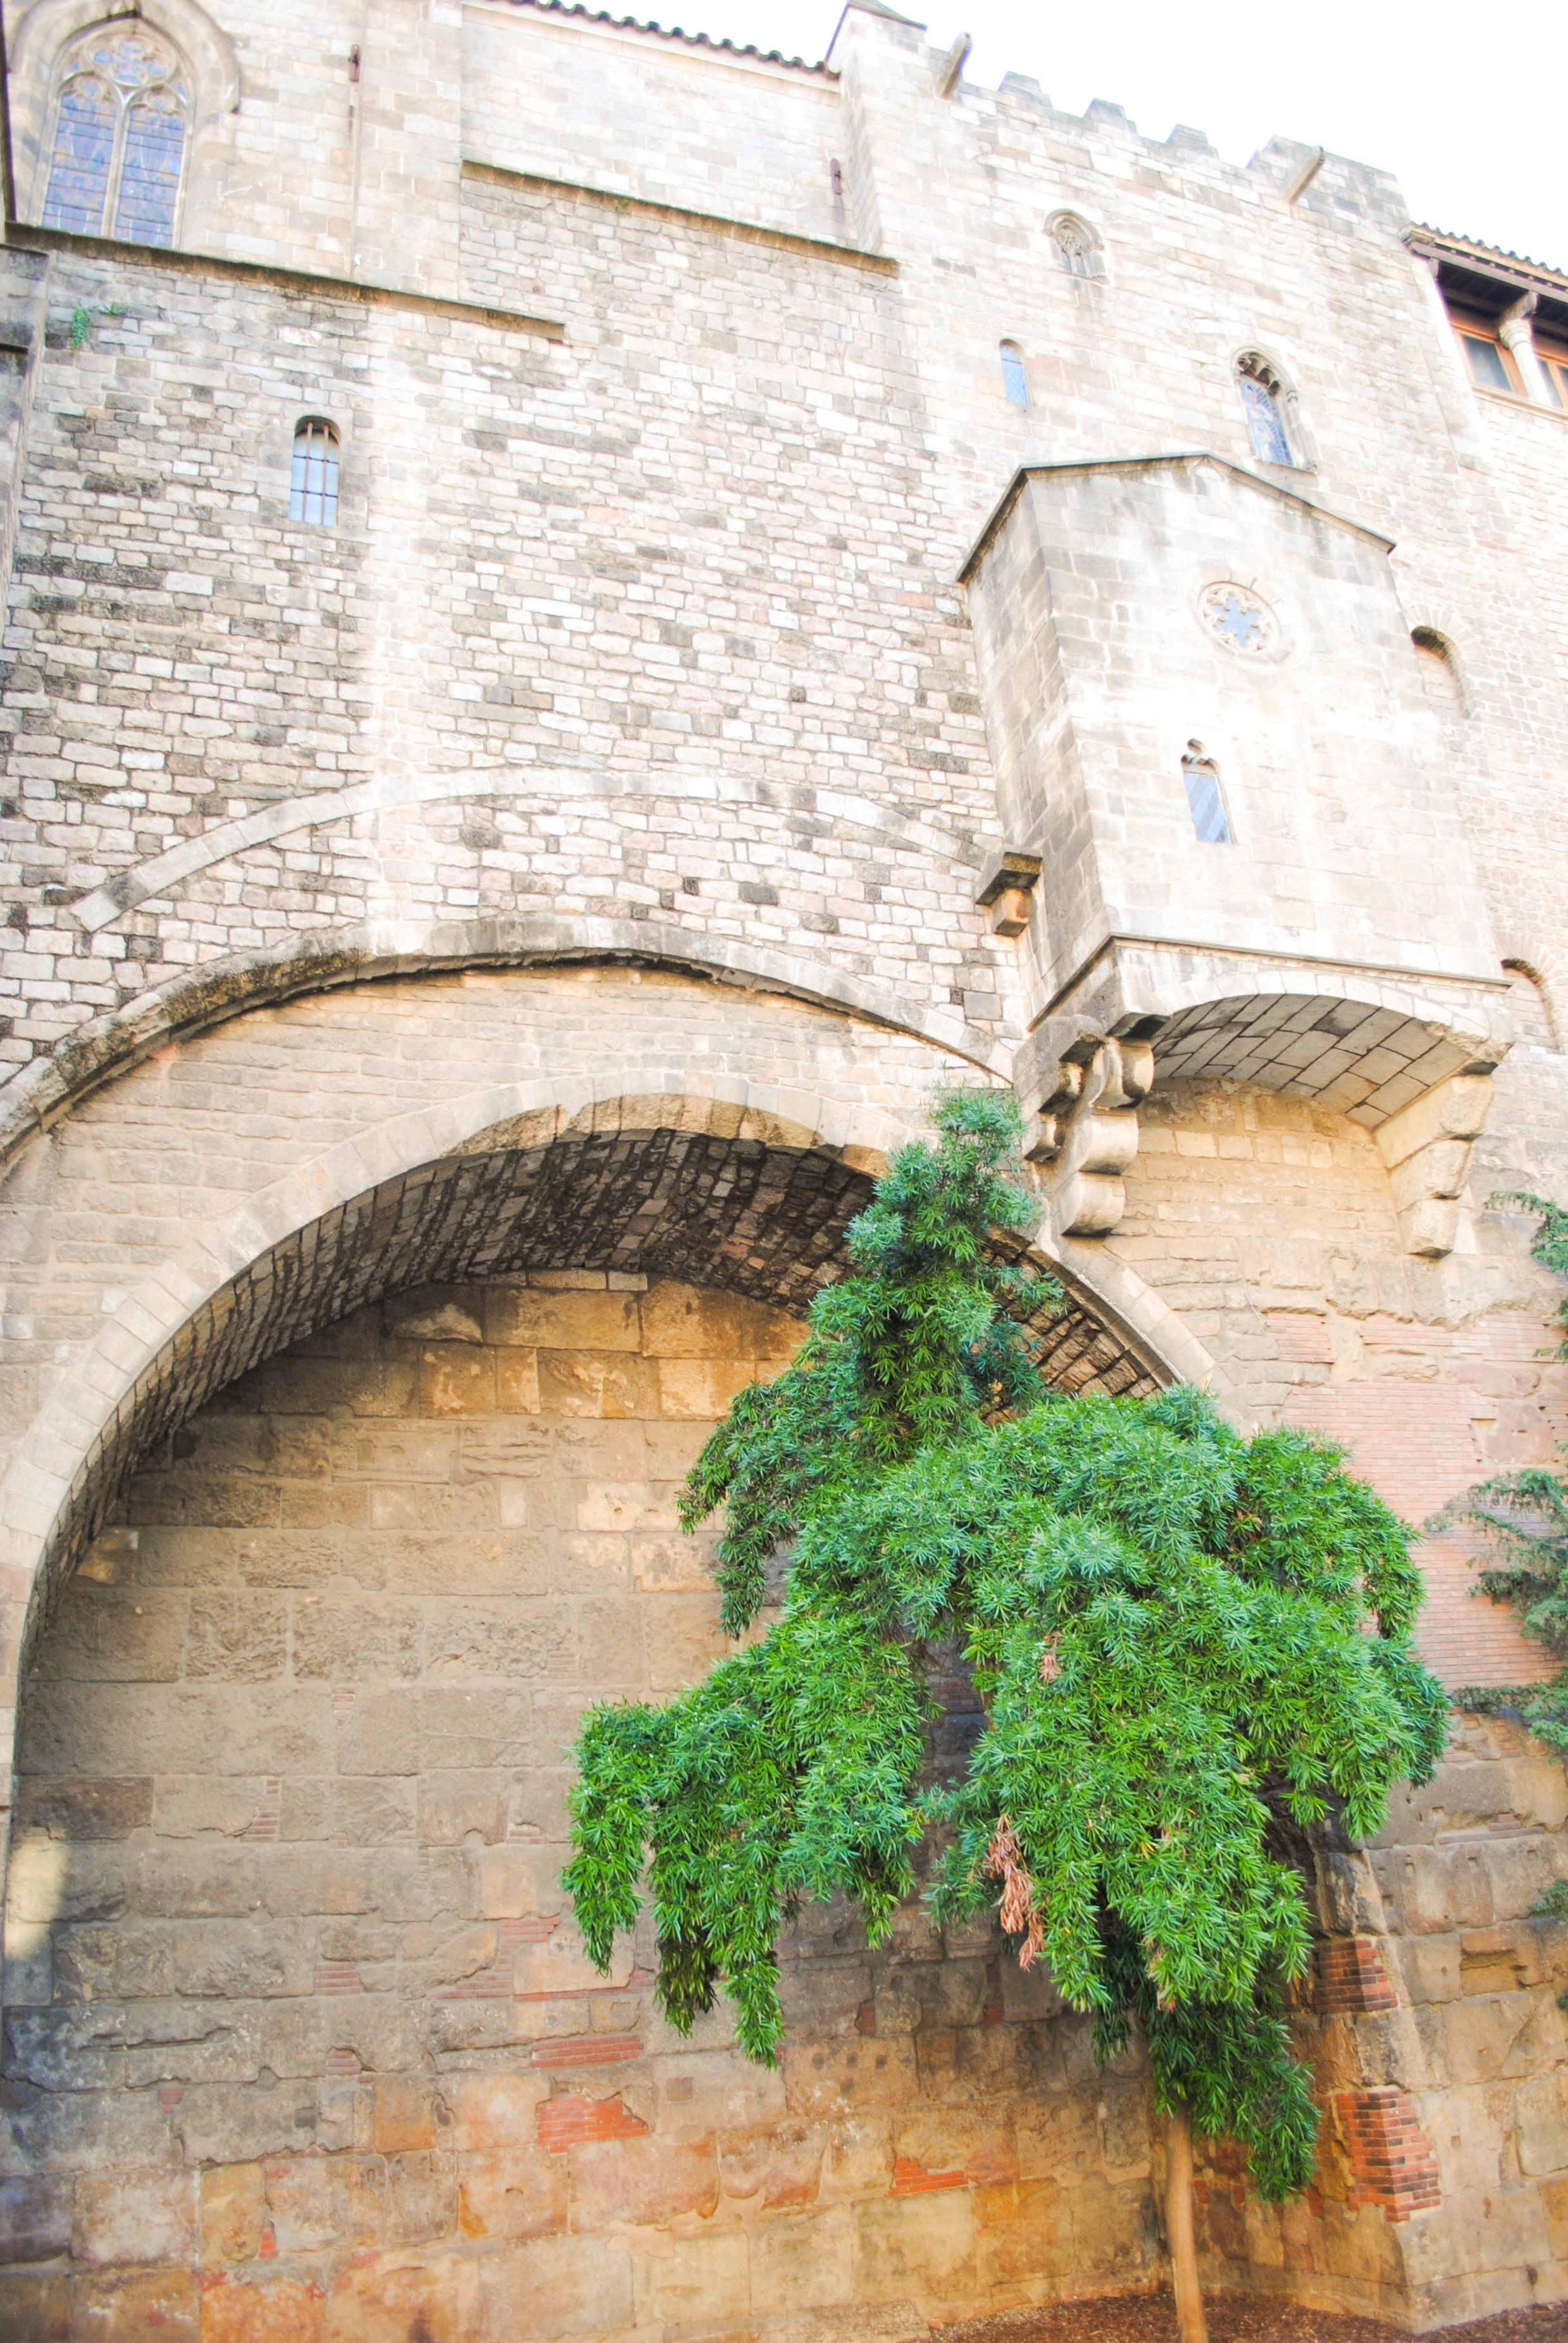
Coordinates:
[1188,456]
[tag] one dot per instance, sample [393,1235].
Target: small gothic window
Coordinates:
[1264,403]
[1077,246]
[1438,671]
[119,139]
[1207,804]
[1014,380]
[313,484]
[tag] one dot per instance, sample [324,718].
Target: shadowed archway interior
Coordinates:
[685,1190]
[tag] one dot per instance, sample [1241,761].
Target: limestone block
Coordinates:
[702,2093]
[264,2310]
[689,1322]
[493,2111]
[529,1318]
[597,1382]
[233,2212]
[518,1883]
[135,2216]
[782,2165]
[512,2192]
[376,2295]
[682,2280]
[805,2260]
[828,2079]
[1541,2120]
[35,2218]
[124,2306]
[1089,1132]
[316,2201]
[558,1964]
[1456,1110]
[642,2180]
[1440,1888]
[916,2247]
[572,2286]
[405,2117]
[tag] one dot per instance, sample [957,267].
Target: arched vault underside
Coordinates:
[760,1218]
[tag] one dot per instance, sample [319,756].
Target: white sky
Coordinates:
[1463,106]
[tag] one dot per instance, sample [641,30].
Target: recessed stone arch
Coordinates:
[643,1104]
[729,1193]
[319,960]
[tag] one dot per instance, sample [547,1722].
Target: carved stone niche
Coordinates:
[1085,1133]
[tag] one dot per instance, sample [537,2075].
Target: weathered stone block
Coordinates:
[35,2219]
[233,2213]
[268,2311]
[513,2192]
[135,2216]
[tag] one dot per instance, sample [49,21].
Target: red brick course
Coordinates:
[1389,2155]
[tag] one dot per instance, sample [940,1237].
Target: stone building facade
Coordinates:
[590,615]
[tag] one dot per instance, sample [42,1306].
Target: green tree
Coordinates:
[1177,1634]
[1522,1518]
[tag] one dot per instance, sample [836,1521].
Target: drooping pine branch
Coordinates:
[1173,1630]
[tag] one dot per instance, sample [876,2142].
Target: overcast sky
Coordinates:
[1463,103]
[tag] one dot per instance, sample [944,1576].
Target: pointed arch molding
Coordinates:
[35,39]
[328,958]
[426,1195]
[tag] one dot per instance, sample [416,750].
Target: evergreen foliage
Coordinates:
[1522,1518]
[1177,1634]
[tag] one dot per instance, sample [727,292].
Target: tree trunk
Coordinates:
[1184,2283]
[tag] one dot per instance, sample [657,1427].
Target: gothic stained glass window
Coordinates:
[150,171]
[84,150]
[313,483]
[1014,380]
[1265,425]
[1074,245]
[119,141]
[1207,805]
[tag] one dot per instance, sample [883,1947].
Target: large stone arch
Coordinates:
[329,959]
[674,1156]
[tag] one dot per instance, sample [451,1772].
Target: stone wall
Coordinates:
[301,2040]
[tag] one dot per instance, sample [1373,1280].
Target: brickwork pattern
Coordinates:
[1389,2155]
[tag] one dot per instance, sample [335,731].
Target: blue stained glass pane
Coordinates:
[1014,381]
[150,172]
[79,165]
[1208,806]
[1270,444]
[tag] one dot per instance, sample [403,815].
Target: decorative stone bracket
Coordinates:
[1087,1130]
[1427,1147]
[1007,891]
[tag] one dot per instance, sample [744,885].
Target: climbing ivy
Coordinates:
[1180,1637]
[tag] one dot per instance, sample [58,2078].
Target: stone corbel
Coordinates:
[1007,891]
[1514,332]
[1427,1149]
[1086,1133]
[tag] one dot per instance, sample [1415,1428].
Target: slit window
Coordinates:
[1205,799]
[117,150]
[313,483]
[1014,380]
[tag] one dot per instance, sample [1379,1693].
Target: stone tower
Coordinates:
[591,614]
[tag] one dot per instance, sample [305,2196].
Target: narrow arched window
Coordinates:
[1205,799]
[117,147]
[1263,405]
[313,483]
[1014,380]
[1439,672]
[1077,246]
